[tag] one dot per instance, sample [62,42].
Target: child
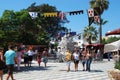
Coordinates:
[25,57]
[39,58]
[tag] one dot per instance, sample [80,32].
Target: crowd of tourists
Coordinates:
[14,55]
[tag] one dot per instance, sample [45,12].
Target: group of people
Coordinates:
[84,56]
[29,54]
[12,58]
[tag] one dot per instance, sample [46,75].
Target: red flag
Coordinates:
[97,19]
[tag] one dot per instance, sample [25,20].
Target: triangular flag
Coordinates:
[76,12]
[33,14]
[50,14]
[61,15]
[91,20]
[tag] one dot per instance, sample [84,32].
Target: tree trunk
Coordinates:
[100,32]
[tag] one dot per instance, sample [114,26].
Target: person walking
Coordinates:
[30,56]
[10,58]
[39,56]
[84,52]
[76,58]
[1,63]
[19,57]
[68,57]
[88,60]
[25,57]
[109,55]
[45,57]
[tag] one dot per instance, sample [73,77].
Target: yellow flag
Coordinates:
[51,14]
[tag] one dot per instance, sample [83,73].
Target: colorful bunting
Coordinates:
[61,15]
[51,14]
[76,12]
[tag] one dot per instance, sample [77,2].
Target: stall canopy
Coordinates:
[96,45]
[114,32]
[111,47]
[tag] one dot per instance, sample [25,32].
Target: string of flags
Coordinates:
[61,15]
[93,16]
[63,33]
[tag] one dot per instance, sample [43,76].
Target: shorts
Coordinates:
[76,61]
[83,62]
[68,63]
[30,58]
[10,68]
[25,59]
[45,60]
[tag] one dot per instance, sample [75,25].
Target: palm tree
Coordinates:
[90,34]
[99,6]
[103,22]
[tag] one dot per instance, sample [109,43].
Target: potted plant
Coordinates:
[117,65]
[115,74]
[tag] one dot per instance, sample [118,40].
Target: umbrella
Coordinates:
[114,32]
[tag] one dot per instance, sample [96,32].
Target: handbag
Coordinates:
[2,64]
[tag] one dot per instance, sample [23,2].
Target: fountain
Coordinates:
[66,43]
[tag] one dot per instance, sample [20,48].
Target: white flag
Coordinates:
[90,13]
[33,14]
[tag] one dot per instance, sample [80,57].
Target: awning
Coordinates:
[111,47]
[114,32]
[95,45]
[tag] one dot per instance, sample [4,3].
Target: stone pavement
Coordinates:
[57,71]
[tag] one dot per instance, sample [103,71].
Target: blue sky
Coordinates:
[77,22]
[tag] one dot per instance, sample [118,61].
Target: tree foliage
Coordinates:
[90,34]
[19,27]
[99,5]
[110,39]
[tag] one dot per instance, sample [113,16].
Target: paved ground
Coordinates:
[57,71]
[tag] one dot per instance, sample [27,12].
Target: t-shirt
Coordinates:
[68,56]
[30,53]
[10,56]
[76,56]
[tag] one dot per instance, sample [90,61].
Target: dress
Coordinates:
[39,58]
[44,57]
